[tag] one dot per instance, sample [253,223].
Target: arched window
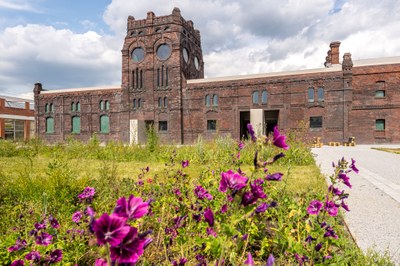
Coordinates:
[255,97]
[139,103]
[215,100]
[310,94]
[104,124]
[51,108]
[159,102]
[134,104]
[107,105]
[49,125]
[72,107]
[78,107]
[165,102]
[101,105]
[76,125]
[208,100]
[320,94]
[46,108]
[264,97]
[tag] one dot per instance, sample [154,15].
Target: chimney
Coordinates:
[334,52]
[38,88]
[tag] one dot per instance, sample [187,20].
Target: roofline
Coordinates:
[333,68]
[80,89]
[15,99]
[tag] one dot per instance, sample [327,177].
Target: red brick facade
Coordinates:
[162,85]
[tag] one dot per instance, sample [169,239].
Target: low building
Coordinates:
[163,85]
[17,121]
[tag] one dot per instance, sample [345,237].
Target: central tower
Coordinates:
[158,55]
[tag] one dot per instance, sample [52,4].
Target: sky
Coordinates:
[77,43]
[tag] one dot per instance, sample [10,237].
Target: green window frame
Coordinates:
[78,106]
[72,107]
[104,124]
[311,98]
[215,100]
[101,105]
[76,124]
[208,100]
[107,105]
[49,125]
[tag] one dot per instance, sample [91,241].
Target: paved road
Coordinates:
[374,201]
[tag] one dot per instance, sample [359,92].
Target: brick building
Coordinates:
[163,85]
[16,118]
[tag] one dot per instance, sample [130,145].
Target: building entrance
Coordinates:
[244,120]
[270,120]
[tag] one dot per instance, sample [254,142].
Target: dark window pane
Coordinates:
[208,100]
[212,125]
[316,122]
[165,102]
[159,102]
[162,126]
[215,100]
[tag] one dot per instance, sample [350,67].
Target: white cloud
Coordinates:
[17,5]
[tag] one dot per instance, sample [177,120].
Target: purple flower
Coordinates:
[277,157]
[33,255]
[262,207]
[329,232]
[251,132]
[197,217]
[110,229]
[101,262]
[279,140]
[240,145]
[17,263]
[314,207]
[345,179]
[252,196]
[335,191]
[270,260]
[331,208]
[309,239]
[231,180]
[88,193]
[133,209]
[209,217]
[185,164]
[130,249]
[210,231]
[345,206]
[274,177]
[224,208]
[76,217]
[44,239]
[53,222]
[40,226]
[19,244]
[353,166]
[245,236]
[182,262]
[318,247]
[202,193]
[55,256]
[249,260]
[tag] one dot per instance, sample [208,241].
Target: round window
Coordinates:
[137,54]
[196,63]
[185,54]
[163,51]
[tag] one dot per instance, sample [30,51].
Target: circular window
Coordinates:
[163,51]
[137,54]
[196,63]
[185,54]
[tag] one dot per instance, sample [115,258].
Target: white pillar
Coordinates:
[133,132]
[257,121]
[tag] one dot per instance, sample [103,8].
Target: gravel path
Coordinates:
[374,201]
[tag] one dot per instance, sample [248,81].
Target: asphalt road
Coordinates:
[374,201]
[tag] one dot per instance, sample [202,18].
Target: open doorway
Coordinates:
[244,120]
[270,120]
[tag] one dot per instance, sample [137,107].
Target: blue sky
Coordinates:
[71,43]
